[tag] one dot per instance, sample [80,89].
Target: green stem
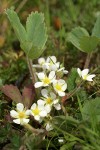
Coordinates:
[29,62]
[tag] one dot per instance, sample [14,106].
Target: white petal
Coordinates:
[41,60]
[89,77]
[40,102]
[55,82]
[44,92]
[26,120]
[41,75]
[51,74]
[53,96]
[33,106]
[28,112]
[61,69]
[17,121]
[64,87]
[79,72]
[48,59]
[53,58]
[58,64]
[43,113]
[57,106]
[65,71]
[61,93]
[53,67]
[49,127]
[45,66]
[37,117]
[61,81]
[48,108]
[13,113]
[61,140]
[38,84]
[56,101]
[20,107]
[85,72]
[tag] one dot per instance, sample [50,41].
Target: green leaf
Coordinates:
[88,43]
[91,109]
[16,24]
[36,34]
[71,79]
[33,39]
[75,35]
[96,29]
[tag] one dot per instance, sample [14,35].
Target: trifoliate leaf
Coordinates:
[33,39]
[75,35]
[88,43]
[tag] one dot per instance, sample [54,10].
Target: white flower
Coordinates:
[44,80]
[52,63]
[21,114]
[50,99]
[84,74]
[39,110]
[60,86]
[49,126]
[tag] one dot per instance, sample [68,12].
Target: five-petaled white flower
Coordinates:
[50,99]
[60,86]
[44,79]
[84,74]
[39,110]
[21,114]
[52,64]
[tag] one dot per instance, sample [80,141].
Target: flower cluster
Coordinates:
[52,88]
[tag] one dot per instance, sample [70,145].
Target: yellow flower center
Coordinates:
[22,115]
[36,111]
[58,87]
[51,63]
[85,77]
[42,63]
[48,100]
[46,80]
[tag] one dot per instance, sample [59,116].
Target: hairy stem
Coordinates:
[36,131]
[88,59]
[31,70]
